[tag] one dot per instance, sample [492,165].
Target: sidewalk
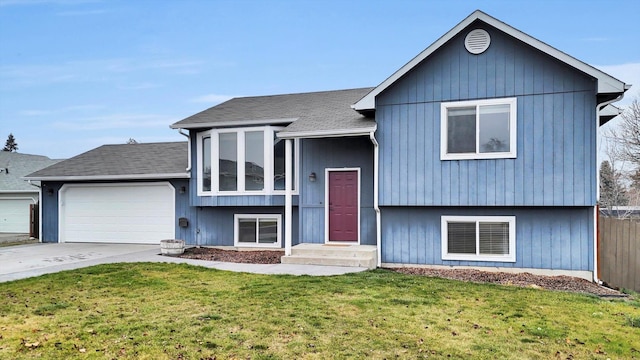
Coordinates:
[24,261]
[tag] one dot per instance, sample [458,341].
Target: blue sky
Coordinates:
[76,74]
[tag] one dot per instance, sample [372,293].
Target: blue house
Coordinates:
[479,152]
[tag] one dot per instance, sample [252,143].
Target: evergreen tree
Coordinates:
[612,191]
[11,144]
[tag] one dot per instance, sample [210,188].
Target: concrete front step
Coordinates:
[333,255]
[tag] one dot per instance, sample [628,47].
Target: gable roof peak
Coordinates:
[607,84]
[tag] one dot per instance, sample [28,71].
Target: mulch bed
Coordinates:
[234,256]
[560,283]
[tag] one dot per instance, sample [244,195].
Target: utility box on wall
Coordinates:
[183,222]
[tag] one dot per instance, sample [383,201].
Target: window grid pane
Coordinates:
[461,130]
[228,162]
[494,128]
[278,164]
[206,164]
[268,231]
[461,237]
[247,229]
[494,238]
[254,160]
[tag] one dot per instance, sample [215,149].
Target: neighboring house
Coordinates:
[131,193]
[479,152]
[16,194]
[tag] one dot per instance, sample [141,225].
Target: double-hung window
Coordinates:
[242,161]
[479,238]
[480,129]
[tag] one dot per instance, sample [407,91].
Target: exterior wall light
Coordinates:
[312,177]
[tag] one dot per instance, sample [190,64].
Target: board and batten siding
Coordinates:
[556,136]
[214,226]
[320,154]
[546,237]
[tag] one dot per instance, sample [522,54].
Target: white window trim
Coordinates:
[257,217]
[513,121]
[269,135]
[511,257]
[326,203]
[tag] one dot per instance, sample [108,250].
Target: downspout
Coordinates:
[376,206]
[599,107]
[188,149]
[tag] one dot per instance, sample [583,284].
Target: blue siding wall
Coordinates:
[556,154]
[214,226]
[546,237]
[50,209]
[319,154]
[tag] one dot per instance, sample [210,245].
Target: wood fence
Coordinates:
[619,252]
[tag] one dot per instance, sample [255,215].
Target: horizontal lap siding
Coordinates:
[555,164]
[319,154]
[546,237]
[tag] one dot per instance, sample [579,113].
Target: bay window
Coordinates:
[242,161]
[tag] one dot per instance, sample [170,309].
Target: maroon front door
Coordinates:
[343,205]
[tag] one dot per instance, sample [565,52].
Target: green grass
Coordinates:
[169,311]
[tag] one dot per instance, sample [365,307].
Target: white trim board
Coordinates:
[236,123]
[326,203]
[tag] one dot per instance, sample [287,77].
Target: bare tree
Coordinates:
[627,134]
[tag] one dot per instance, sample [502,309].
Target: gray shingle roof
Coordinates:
[312,112]
[126,161]
[13,166]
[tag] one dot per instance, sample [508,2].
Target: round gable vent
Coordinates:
[477,41]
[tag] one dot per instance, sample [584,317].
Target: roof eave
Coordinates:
[232,123]
[606,82]
[110,177]
[326,133]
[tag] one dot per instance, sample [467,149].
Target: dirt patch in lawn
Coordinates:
[234,256]
[560,283]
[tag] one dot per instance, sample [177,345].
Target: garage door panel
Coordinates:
[108,207]
[128,222]
[118,213]
[14,215]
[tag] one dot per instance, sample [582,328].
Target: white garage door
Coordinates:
[141,213]
[14,215]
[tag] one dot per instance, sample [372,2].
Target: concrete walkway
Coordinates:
[24,261]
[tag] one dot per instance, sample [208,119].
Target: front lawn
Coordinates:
[169,311]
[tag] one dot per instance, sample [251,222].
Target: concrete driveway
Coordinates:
[23,261]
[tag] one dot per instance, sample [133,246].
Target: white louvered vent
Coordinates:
[477,41]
